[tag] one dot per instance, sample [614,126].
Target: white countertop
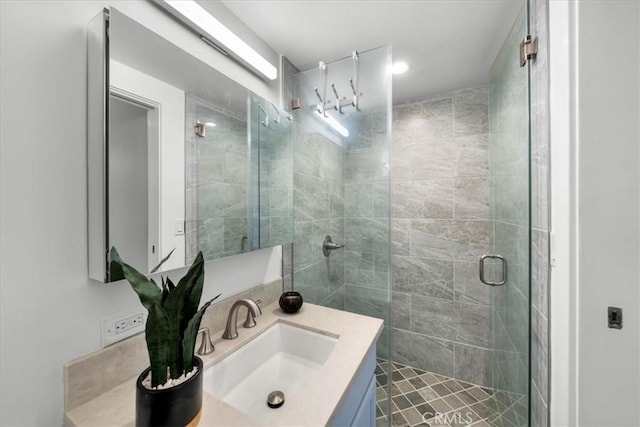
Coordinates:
[313,406]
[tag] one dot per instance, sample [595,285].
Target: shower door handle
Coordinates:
[504,269]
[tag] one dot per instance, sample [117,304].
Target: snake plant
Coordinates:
[174,318]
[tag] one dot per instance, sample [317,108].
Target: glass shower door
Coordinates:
[509,142]
[341,192]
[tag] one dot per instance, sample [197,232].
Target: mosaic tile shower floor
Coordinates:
[421,398]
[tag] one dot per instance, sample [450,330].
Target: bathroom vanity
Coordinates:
[337,387]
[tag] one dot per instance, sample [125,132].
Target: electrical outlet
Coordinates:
[123,325]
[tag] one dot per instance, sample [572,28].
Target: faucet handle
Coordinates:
[250,321]
[206,346]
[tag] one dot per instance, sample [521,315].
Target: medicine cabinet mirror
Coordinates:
[181,157]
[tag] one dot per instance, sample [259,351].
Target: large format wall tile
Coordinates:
[434,317]
[358,200]
[459,322]
[423,276]
[471,198]
[424,120]
[540,269]
[423,199]
[400,236]
[367,301]
[473,160]
[367,234]
[423,352]
[467,285]
[473,364]
[312,197]
[539,352]
[449,239]
[440,223]
[470,113]
[401,310]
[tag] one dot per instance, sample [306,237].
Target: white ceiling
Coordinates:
[448,44]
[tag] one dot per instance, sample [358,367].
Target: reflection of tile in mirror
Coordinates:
[217,200]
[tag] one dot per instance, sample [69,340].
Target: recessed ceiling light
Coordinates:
[399,67]
[210,124]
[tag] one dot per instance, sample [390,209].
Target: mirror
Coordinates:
[271,173]
[178,160]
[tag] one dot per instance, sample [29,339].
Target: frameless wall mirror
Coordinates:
[175,160]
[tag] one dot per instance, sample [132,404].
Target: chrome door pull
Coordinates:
[504,269]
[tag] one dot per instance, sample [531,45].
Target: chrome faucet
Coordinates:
[206,346]
[231,331]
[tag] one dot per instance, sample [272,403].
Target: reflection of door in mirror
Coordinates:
[146,169]
[216,180]
[128,156]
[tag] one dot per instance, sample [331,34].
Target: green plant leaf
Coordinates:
[115,272]
[147,290]
[179,309]
[157,330]
[190,335]
[165,291]
[182,303]
[193,296]
[157,267]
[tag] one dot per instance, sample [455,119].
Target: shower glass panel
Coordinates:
[509,142]
[342,189]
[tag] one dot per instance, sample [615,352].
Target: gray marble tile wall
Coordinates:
[440,226]
[318,211]
[216,177]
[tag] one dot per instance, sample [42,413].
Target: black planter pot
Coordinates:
[172,407]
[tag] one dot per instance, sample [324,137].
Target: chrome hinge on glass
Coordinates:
[528,50]
[504,270]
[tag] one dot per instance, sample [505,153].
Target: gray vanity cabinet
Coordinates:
[359,407]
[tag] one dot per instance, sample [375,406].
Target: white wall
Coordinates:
[599,247]
[608,120]
[50,311]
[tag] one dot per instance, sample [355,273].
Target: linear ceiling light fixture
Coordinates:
[336,125]
[194,15]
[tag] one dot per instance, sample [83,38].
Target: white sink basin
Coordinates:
[284,358]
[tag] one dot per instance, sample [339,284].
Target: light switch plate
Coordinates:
[179,227]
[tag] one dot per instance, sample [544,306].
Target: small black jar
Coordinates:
[290,302]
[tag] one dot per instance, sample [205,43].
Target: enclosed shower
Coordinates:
[419,213]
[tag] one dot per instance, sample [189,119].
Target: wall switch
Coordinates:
[179,227]
[614,317]
[123,325]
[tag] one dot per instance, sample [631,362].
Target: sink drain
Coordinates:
[275,399]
